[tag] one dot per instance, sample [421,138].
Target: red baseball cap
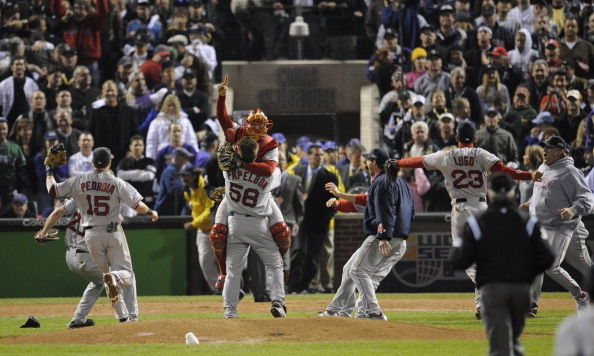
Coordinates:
[498,51]
[552,42]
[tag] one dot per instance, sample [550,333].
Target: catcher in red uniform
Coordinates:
[256,125]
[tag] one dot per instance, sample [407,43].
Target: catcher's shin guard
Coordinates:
[282,236]
[218,240]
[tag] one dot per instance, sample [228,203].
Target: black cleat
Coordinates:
[74,325]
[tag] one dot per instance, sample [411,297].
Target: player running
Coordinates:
[256,126]
[465,171]
[99,195]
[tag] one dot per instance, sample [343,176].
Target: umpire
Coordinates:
[509,253]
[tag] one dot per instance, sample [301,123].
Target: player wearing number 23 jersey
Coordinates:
[465,172]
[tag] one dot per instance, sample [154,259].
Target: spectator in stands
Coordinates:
[16,91]
[572,46]
[538,82]
[459,89]
[545,29]
[510,120]
[170,200]
[141,96]
[491,85]
[180,23]
[19,208]
[555,101]
[522,107]
[112,122]
[68,60]
[123,75]
[144,21]
[532,159]
[420,144]
[523,55]
[195,103]
[574,82]
[389,103]
[524,14]
[188,60]
[82,30]
[44,200]
[503,18]
[403,129]
[139,52]
[570,119]
[578,148]
[476,55]
[13,169]
[552,56]
[461,110]
[83,96]
[418,58]
[501,35]
[200,46]
[158,134]
[508,75]
[42,120]
[152,68]
[167,77]
[139,171]
[447,34]
[82,161]
[435,78]
[176,139]
[495,139]
[54,84]
[22,134]
[66,134]
[438,104]
[447,134]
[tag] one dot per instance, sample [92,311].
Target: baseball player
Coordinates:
[559,202]
[256,126]
[465,172]
[99,195]
[248,198]
[80,262]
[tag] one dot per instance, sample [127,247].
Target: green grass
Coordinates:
[540,340]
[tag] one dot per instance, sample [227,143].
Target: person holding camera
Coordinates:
[555,101]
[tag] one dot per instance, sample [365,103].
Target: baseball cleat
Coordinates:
[124,320]
[583,303]
[113,291]
[75,325]
[328,312]
[278,310]
[477,314]
[220,283]
[378,316]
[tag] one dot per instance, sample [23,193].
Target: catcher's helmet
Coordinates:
[257,124]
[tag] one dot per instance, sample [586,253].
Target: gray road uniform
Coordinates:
[249,204]
[80,262]
[562,186]
[99,195]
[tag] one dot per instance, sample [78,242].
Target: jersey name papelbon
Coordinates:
[248,177]
[97,186]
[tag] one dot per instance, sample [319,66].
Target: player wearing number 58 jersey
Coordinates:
[465,172]
[249,205]
[99,195]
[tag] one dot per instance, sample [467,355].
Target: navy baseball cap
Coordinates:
[543,117]
[50,136]
[466,131]
[501,183]
[377,154]
[279,137]
[102,156]
[20,198]
[181,151]
[555,142]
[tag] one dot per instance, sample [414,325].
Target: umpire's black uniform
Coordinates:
[509,253]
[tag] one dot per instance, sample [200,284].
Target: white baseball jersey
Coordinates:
[98,196]
[464,169]
[248,193]
[75,234]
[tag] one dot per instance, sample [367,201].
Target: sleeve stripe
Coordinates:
[476,230]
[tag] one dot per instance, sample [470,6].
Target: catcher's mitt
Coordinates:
[50,236]
[228,159]
[56,157]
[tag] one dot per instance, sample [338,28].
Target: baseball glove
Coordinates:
[50,236]
[56,157]
[228,158]
[217,194]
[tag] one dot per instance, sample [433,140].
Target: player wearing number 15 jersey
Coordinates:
[465,172]
[99,195]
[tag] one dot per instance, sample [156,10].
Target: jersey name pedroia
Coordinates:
[248,193]
[98,196]
[464,169]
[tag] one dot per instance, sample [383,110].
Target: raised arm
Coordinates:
[222,116]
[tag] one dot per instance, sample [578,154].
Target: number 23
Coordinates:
[473,179]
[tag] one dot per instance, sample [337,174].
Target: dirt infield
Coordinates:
[219,330]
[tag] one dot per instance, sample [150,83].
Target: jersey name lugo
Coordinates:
[97,186]
[249,177]
[464,161]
